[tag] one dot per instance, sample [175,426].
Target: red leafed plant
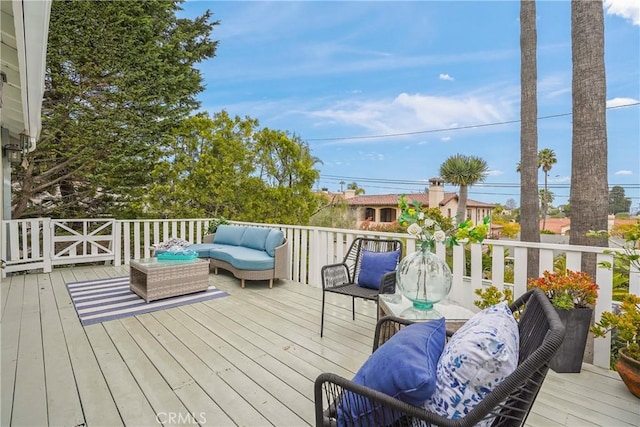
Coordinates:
[573,289]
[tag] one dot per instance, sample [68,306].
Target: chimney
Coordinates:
[436,192]
[349,194]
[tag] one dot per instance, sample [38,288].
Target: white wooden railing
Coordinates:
[42,243]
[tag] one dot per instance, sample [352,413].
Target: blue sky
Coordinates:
[329,71]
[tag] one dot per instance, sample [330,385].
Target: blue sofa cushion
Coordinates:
[202,249]
[229,235]
[374,265]
[255,238]
[404,367]
[274,239]
[243,258]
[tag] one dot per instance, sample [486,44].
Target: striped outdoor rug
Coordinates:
[107,299]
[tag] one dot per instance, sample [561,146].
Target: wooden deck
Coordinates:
[247,359]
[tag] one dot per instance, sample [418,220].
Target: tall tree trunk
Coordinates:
[461,214]
[589,184]
[529,212]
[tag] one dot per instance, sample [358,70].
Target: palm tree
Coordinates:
[546,160]
[589,186]
[354,186]
[463,171]
[546,198]
[528,166]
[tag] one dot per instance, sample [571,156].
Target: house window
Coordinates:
[449,213]
[387,215]
[468,213]
[370,214]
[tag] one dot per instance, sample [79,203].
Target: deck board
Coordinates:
[196,358]
[63,404]
[132,404]
[169,387]
[30,400]
[98,405]
[248,359]
[299,355]
[156,390]
[11,317]
[258,380]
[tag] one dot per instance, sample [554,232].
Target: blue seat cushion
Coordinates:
[229,235]
[243,258]
[274,239]
[374,265]
[404,367]
[202,249]
[255,238]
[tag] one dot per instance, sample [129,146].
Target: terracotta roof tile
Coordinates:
[556,225]
[392,200]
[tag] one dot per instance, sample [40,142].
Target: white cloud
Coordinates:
[445,138]
[627,9]
[617,102]
[559,178]
[494,172]
[624,172]
[446,77]
[416,112]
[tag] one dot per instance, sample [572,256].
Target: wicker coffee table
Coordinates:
[154,279]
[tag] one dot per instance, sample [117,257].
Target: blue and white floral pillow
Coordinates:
[478,357]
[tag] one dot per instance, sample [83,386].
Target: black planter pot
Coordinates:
[577,321]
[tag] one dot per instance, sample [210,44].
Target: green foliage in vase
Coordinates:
[428,231]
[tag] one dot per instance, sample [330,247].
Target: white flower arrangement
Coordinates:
[429,231]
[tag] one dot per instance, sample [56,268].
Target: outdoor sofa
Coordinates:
[249,253]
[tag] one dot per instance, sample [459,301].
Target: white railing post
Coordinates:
[545,262]
[317,245]
[303,254]
[46,245]
[117,243]
[497,266]
[634,281]
[574,261]
[457,286]
[602,346]
[519,272]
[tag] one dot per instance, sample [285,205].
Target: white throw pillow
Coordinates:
[478,357]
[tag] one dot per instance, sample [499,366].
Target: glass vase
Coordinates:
[425,279]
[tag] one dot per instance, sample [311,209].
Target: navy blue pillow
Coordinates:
[404,367]
[374,265]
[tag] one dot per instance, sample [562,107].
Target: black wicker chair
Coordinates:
[541,333]
[342,278]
